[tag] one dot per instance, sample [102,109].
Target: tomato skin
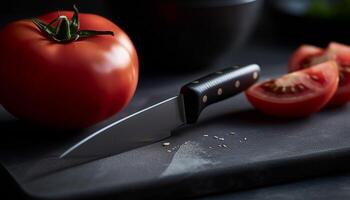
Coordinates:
[301,57]
[342,95]
[66,85]
[295,106]
[342,51]
[342,56]
[335,51]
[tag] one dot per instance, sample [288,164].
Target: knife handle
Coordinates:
[216,87]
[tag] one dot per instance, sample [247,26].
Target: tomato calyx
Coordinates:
[66,30]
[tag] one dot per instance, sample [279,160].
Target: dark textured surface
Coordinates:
[262,151]
[335,188]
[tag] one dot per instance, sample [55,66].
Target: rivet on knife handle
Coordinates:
[215,87]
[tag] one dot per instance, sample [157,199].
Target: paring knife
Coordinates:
[156,122]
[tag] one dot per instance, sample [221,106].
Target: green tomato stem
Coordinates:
[67,30]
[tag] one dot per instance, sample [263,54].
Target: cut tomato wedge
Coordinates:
[342,56]
[296,94]
[307,55]
[302,57]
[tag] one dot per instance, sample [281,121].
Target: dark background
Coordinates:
[161,49]
[274,23]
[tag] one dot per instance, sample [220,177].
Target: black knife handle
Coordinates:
[216,87]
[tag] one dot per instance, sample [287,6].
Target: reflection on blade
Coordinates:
[144,127]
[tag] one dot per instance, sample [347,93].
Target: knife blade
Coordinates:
[144,127]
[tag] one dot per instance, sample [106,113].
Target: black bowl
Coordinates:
[178,35]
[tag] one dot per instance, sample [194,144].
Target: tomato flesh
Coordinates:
[302,57]
[297,94]
[307,55]
[342,56]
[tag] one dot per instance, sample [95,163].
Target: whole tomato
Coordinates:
[70,73]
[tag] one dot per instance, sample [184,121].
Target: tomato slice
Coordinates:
[342,56]
[307,55]
[302,57]
[296,94]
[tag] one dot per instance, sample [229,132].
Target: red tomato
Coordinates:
[296,94]
[342,57]
[306,56]
[68,85]
[301,58]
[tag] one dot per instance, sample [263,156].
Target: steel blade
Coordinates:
[147,126]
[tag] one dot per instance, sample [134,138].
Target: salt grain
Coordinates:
[166,144]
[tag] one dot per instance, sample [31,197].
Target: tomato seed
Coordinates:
[314,77]
[283,89]
[301,87]
[292,88]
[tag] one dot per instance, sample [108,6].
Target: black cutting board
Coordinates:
[260,151]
